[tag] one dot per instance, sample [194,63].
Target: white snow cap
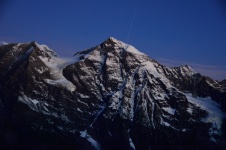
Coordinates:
[45,48]
[42,46]
[3,43]
[127,47]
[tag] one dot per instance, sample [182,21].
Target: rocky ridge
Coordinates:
[108,97]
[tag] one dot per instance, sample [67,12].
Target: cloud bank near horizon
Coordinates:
[215,72]
[2,43]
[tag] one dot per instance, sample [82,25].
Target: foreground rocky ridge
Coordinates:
[108,97]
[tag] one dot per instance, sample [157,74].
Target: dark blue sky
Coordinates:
[191,31]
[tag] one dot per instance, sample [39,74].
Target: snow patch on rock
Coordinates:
[56,65]
[215,114]
[34,104]
[127,47]
[89,138]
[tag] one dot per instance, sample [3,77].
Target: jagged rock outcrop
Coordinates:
[108,97]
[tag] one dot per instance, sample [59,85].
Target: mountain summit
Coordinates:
[107,97]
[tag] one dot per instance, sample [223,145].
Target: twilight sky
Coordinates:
[174,32]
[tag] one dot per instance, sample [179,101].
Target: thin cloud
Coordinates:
[215,72]
[2,43]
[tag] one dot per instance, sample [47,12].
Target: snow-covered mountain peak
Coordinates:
[45,48]
[113,39]
[129,48]
[185,69]
[107,97]
[110,47]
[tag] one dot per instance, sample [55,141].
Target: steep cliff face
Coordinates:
[108,97]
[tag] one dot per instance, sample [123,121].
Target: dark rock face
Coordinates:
[107,97]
